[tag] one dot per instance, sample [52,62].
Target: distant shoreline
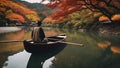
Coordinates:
[9,29]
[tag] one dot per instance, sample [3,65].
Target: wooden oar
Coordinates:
[67,42]
[8,41]
[71,43]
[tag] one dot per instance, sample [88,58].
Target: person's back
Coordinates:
[38,34]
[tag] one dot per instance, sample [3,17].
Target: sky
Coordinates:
[35,1]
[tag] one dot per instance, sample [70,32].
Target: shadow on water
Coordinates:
[37,60]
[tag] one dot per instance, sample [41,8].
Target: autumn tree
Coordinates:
[65,7]
[17,9]
[3,11]
[15,17]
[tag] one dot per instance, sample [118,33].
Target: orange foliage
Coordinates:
[101,4]
[2,9]
[103,18]
[48,20]
[51,20]
[115,17]
[15,17]
[20,9]
[65,7]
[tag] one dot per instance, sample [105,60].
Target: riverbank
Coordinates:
[9,29]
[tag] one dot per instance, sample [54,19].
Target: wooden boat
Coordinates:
[54,42]
[36,60]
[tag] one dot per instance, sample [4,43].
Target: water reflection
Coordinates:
[99,51]
[104,44]
[13,46]
[115,49]
[37,60]
[7,49]
[96,53]
[13,35]
[18,60]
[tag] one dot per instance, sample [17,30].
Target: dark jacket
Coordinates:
[38,34]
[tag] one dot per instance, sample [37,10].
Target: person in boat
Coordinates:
[38,34]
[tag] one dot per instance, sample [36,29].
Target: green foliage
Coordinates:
[61,25]
[69,25]
[2,23]
[82,19]
[75,16]
[77,25]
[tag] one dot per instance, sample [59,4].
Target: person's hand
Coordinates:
[45,40]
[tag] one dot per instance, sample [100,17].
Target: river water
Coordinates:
[98,51]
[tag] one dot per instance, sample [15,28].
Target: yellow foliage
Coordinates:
[32,17]
[96,14]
